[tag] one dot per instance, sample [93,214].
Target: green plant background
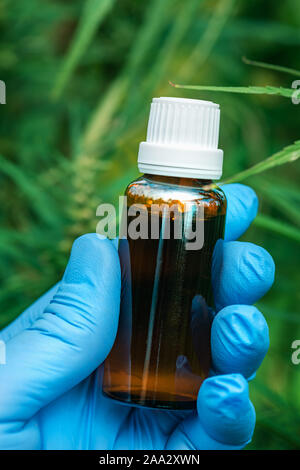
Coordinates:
[80,76]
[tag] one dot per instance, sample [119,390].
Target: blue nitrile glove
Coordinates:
[50,388]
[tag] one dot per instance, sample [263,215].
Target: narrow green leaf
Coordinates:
[39,201]
[280,430]
[94,13]
[277,68]
[164,55]
[277,226]
[250,90]
[167,51]
[176,34]
[291,317]
[287,154]
[156,19]
[151,28]
[266,31]
[275,398]
[213,30]
[279,197]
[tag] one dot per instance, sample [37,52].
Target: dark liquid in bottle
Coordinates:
[162,351]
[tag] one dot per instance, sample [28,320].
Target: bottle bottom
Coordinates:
[164,401]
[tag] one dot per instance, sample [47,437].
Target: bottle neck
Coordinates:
[178,180]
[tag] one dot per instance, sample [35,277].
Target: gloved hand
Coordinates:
[50,388]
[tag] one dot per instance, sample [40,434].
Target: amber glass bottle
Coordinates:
[161,353]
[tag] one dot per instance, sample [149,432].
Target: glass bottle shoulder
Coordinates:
[154,189]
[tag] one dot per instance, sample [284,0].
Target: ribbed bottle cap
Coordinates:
[182,139]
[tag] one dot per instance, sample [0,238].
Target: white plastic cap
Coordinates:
[182,139]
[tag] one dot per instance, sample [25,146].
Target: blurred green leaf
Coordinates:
[94,13]
[39,201]
[280,227]
[277,68]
